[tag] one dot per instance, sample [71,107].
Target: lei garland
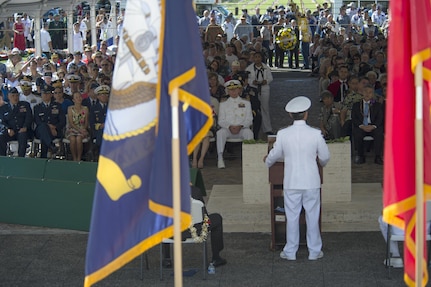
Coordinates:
[204,232]
[286,39]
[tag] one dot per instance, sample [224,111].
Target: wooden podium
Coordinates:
[278,218]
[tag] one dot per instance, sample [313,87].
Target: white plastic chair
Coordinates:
[400,238]
[197,212]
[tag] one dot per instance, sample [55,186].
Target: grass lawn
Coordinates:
[264,4]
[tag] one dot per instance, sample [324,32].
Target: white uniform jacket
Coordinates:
[299,145]
[235,112]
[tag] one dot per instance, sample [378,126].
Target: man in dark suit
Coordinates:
[50,121]
[295,51]
[15,122]
[91,100]
[367,119]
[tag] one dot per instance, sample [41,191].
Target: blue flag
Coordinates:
[132,208]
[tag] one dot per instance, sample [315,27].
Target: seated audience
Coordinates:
[50,121]
[15,122]
[367,119]
[330,117]
[77,129]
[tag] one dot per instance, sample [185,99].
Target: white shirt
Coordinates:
[377,18]
[299,145]
[235,112]
[83,28]
[27,26]
[106,31]
[78,45]
[45,38]
[256,74]
[228,30]
[32,99]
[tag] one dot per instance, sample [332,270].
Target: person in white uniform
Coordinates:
[260,77]
[234,118]
[299,145]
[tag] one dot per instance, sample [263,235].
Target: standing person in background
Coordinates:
[299,145]
[203,22]
[295,51]
[78,39]
[228,27]
[305,37]
[260,77]
[4,35]
[57,30]
[265,34]
[28,28]
[45,40]
[212,31]
[18,36]
[279,52]
[255,21]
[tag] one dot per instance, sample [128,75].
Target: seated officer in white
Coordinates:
[234,118]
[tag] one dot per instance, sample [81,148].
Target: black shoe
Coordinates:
[167,263]
[219,262]
[359,159]
[54,149]
[378,160]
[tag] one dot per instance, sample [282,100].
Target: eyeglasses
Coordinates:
[104,65]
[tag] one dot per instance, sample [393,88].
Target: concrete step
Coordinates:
[358,215]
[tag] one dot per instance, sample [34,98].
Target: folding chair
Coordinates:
[400,238]
[197,211]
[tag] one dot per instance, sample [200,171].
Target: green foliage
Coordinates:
[339,140]
[253,141]
[263,4]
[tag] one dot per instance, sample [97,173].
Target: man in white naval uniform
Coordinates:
[299,145]
[260,77]
[234,118]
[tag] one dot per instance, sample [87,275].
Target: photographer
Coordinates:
[260,77]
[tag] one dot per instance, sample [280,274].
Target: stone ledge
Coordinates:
[358,215]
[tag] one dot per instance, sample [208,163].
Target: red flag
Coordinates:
[409,44]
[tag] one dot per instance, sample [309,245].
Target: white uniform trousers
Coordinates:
[264,108]
[294,200]
[223,134]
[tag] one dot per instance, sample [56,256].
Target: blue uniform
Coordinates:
[48,114]
[15,118]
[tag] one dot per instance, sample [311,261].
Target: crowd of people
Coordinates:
[348,56]
[56,100]
[347,53]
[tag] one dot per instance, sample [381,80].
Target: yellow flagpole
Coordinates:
[419,160]
[176,190]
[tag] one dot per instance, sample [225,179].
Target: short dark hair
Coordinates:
[298,116]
